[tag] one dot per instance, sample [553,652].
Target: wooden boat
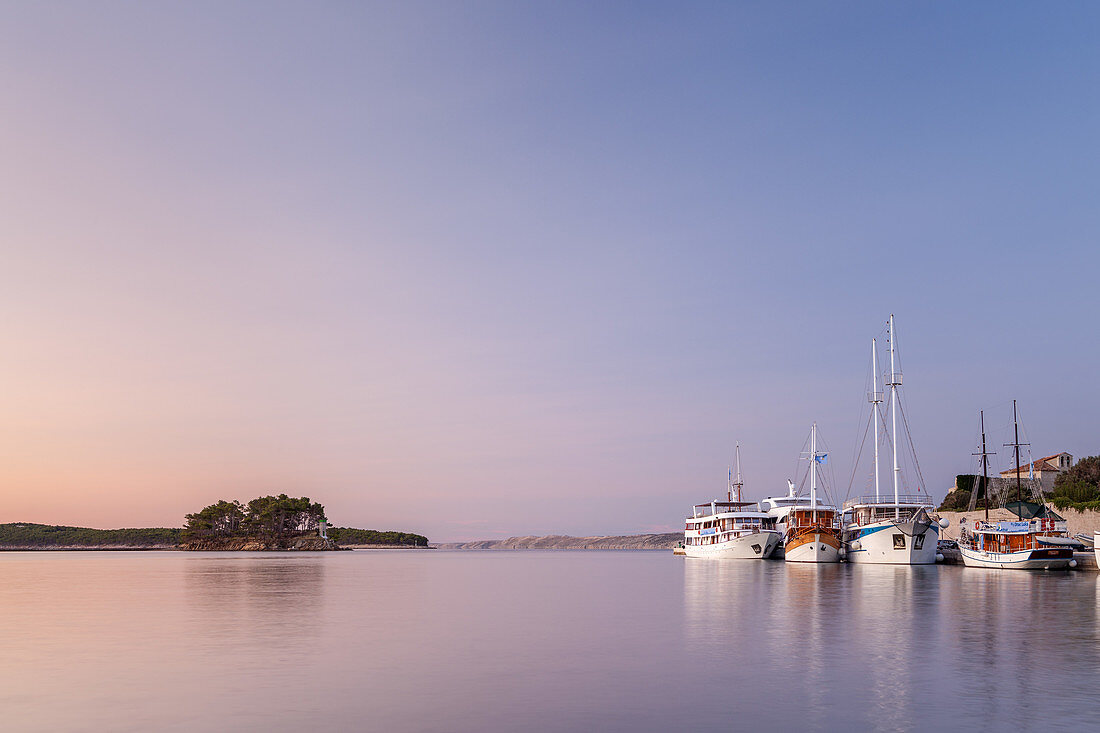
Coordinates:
[1012,545]
[813,532]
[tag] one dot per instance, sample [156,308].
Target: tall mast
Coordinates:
[985,468]
[875,400]
[1016,448]
[1016,438]
[895,380]
[813,471]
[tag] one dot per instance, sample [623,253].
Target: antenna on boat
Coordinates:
[895,380]
[1016,447]
[737,457]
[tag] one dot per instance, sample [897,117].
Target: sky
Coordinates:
[485,269]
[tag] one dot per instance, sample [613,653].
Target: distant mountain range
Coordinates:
[565,542]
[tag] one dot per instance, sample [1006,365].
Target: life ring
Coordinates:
[977,524]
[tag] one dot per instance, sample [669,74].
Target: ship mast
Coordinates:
[895,380]
[1016,447]
[813,471]
[985,468]
[875,398]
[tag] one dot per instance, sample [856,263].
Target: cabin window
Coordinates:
[918,542]
[899,542]
[756,549]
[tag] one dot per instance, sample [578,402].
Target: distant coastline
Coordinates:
[565,542]
[29,536]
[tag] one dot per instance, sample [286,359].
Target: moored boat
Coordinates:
[1012,545]
[890,529]
[813,532]
[730,529]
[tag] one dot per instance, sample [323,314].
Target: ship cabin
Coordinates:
[1005,536]
[824,516]
[720,521]
[1015,536]
[778,503]
[867,510]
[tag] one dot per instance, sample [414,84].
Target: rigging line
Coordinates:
[859,455]
[913,452]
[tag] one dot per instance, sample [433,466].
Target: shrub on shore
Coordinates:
[1079,486]
[350,536]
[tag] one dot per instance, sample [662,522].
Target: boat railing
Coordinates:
[911,499]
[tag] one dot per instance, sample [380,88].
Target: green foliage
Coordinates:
[958,499]
[955,501]
[22,534]
[272,517]
[1079,486]
[1087,470]
[349,536]
[217,520]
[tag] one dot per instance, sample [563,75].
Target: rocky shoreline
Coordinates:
[566,542]
[251,544]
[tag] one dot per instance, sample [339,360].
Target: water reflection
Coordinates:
[547,641]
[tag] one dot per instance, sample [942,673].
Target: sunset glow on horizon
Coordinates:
[476,270]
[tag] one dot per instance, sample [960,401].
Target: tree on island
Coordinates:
[269,517]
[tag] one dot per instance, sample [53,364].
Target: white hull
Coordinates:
[878,543]
[754,546]
[1020,560]
[816,550]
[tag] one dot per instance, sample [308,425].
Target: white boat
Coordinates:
[724,529]
[1010,545]
[890,529]
[813,532]
[730,529]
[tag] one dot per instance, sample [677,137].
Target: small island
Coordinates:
[280,523]
[265,523]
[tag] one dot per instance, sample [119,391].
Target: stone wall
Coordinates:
[1086,522]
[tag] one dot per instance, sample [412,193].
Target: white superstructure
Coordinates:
[729,529]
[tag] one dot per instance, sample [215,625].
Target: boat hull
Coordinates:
[813,547]
[756,546]
[1044,559]
[884,543]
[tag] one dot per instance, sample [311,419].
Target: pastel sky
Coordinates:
[480,269]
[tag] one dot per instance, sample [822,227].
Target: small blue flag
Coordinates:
[822,459]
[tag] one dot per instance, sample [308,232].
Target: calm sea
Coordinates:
[537,641]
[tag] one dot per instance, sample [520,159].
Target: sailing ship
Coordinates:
[890,529]
[1011,545]
[730,529]
[813,532]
